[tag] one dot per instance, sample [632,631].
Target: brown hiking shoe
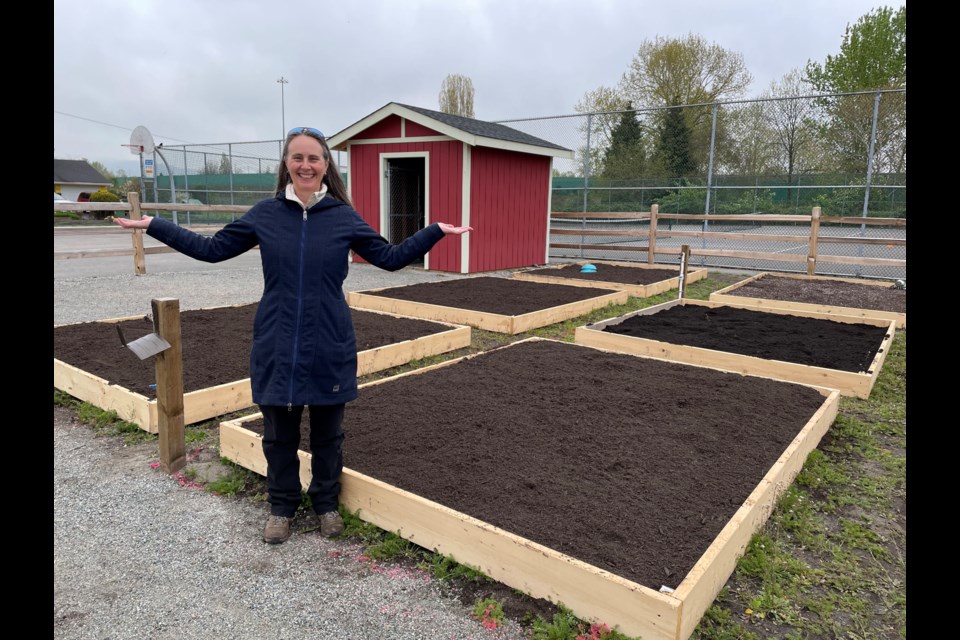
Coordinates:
[277,529]
[331,524]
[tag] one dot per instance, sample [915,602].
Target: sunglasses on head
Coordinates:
[298,130]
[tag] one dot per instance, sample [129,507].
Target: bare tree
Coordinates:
[456,95]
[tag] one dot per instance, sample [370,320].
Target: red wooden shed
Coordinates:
[411,166]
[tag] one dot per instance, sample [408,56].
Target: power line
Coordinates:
[116,126]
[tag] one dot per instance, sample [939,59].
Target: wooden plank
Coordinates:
[591,593]
[610,215]
[600,247]
[736,217]
[703,583]
[724,235]
[884,222]
[129,406]
[600,232]
[399,353]
[879,262]
[111,253]
[847,382]
[218,400]
[536,319]
[169,206]
[893,242]
[758,255]
[489,321]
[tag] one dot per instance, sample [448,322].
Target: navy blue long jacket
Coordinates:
[304,348]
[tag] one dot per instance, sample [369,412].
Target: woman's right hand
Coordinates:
[127,223]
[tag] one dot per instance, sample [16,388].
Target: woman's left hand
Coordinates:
[449,229]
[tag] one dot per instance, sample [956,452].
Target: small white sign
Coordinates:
[149,345]
[148,168]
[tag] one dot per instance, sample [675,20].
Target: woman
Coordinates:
[304,350]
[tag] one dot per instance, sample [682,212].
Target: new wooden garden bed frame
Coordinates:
[847,382]
[211,402]
[591,593]
[635,290]
[728,295]
[496,322]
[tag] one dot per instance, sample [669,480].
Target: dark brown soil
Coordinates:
[630,464]
[505,296]
[610,273]
[772,336]
[836,293]
[216,345]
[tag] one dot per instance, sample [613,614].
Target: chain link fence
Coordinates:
[844,153]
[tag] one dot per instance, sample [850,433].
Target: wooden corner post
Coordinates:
[169,368]
[652,244]
[814,235]
[139,263]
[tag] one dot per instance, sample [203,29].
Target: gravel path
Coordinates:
[137,555]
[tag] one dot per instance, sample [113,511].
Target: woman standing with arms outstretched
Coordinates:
[304,349]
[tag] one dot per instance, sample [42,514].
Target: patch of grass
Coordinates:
[103,423]
[446,568]
[566,626]
[240,481]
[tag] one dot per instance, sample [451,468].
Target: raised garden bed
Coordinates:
[502,305]
[625,488]
[838,296]
[637,279]
[90,362]
[839,352]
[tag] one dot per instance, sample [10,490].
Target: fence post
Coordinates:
[652,244]
[814,235]
[169,371]
[139,262]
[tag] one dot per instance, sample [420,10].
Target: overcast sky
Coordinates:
[206,71]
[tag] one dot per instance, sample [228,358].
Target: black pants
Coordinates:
[281,441]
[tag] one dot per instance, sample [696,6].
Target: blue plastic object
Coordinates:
[588,268]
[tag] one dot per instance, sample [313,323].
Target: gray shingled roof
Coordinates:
[485,129]
[76,172]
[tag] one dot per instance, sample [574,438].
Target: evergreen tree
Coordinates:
[625,158]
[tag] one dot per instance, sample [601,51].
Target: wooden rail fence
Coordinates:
[136,209]
[812,239]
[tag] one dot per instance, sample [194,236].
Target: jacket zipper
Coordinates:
[296,334]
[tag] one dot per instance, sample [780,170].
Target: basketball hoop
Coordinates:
[141,141]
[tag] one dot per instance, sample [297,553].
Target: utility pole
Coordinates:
[283,110]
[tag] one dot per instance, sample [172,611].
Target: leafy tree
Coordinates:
[793,125]
[668,72]
[456,95]
[683,71]
[603,103]
[101,168]
[872,57]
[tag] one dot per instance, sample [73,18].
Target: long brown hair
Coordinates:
[332,178]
